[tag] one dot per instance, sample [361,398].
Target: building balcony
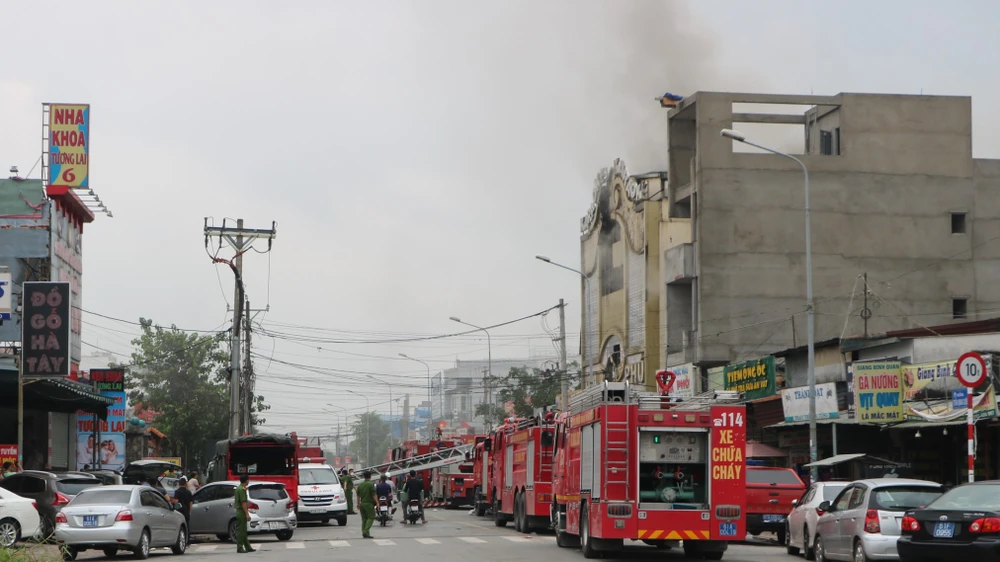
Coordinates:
[679,264]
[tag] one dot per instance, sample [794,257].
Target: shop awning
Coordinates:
[918,424]
[53,395]
[844,420]
[762,451]
[835,459]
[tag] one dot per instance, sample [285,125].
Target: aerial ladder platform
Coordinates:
[436,459]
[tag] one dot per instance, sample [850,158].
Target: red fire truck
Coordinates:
[413,449]
[647,467]
[454,485]
[481,475]
[263,457]
[521,476]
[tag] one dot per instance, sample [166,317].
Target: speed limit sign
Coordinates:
[971,369]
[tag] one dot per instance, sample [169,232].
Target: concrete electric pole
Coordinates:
[240,239]
[564,382]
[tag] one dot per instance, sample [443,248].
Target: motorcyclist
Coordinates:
[384,490]
[414,490]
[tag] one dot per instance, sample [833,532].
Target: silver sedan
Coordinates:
[113,518]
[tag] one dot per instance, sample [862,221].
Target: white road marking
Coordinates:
[206,547]
[339,544]
[472,540]
[428,541]
[384,542]
[518,539]
[295,545]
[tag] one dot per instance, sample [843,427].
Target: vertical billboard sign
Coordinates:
[69,145]
[878,392]
[105,448]
[67,265]
[45,329]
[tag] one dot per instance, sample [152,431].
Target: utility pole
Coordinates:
[405,430]
[866,313]
[240,239]
[564,383]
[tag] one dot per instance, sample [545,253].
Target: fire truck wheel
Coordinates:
[586,541]
[498,518]
[480,509]
[713,555]
[518,519]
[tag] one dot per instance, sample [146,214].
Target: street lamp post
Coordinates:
[368,428]
[428,367]
[489,369]
[338,423]
[810,308]
[583,333]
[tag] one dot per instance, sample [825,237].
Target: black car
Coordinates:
[961,524]
[150,471]
[51,490]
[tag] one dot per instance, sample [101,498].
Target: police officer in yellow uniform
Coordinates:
[242,516]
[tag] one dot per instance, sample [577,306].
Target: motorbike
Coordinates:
[413,511]
[383,511]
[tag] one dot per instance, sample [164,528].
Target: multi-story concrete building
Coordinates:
[709,268]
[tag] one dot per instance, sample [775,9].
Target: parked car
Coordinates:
[800,526]
[107,477]
[863,522]
[113,518]
[140,472]
[770,493]
[213,510]
[961,524]
[18,518]
[50,490]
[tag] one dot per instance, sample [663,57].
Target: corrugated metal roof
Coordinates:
[836,459]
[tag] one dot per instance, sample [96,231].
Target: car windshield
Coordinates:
[772,477]
[982,497]
[273,492]
[103,497]
[830,492]
[72,487]
[317,476]
[901,498]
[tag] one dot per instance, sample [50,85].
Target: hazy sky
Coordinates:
[415,155]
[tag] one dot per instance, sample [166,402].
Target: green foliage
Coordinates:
[528,389]
[491,413]
[30,552]
[183,377]
[372,438]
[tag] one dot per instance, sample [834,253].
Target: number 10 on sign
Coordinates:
[971,372]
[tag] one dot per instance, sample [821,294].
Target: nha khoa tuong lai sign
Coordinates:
[755,379]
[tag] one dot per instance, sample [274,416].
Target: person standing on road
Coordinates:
[366,504]
[348,481]
[183,497]
[192,483]
[242,516]
[415,490]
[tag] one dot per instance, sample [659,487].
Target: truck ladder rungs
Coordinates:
[444,457]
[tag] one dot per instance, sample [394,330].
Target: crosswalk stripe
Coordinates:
[295,545]
[472,540]
[339,544]
[384,542]
[206,547]
[518,539]
[428,541]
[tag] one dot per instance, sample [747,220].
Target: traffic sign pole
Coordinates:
[971,372]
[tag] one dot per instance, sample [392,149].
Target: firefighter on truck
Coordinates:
[637,466]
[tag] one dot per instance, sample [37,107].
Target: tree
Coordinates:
[184,378]
[372,438]
[526,390]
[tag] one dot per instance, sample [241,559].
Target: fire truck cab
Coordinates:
[646,467]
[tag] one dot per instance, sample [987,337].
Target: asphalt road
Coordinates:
[448,536]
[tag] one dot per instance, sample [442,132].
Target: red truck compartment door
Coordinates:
[727,472]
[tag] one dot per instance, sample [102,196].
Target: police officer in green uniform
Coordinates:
[348,481]
[366,504]
[242,516]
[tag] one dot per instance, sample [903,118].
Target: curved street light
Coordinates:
[584,359]
[368,429]
[489,368]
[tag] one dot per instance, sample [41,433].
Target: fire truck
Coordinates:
[481,474]
[413,454]
[454,485]
[637,466]
[520,485]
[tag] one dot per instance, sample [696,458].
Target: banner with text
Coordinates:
[685,385]
[878,392]
[8,454]
[755,379]
[108,448]
[795,402]
[45,329]
[69,145]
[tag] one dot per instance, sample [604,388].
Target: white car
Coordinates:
[18,518]
[800,525]
[321,496]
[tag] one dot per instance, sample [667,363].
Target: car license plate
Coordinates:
[774,518]
[727,529]
[89,520]
[944,530]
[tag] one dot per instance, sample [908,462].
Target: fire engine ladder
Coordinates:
[444,457]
